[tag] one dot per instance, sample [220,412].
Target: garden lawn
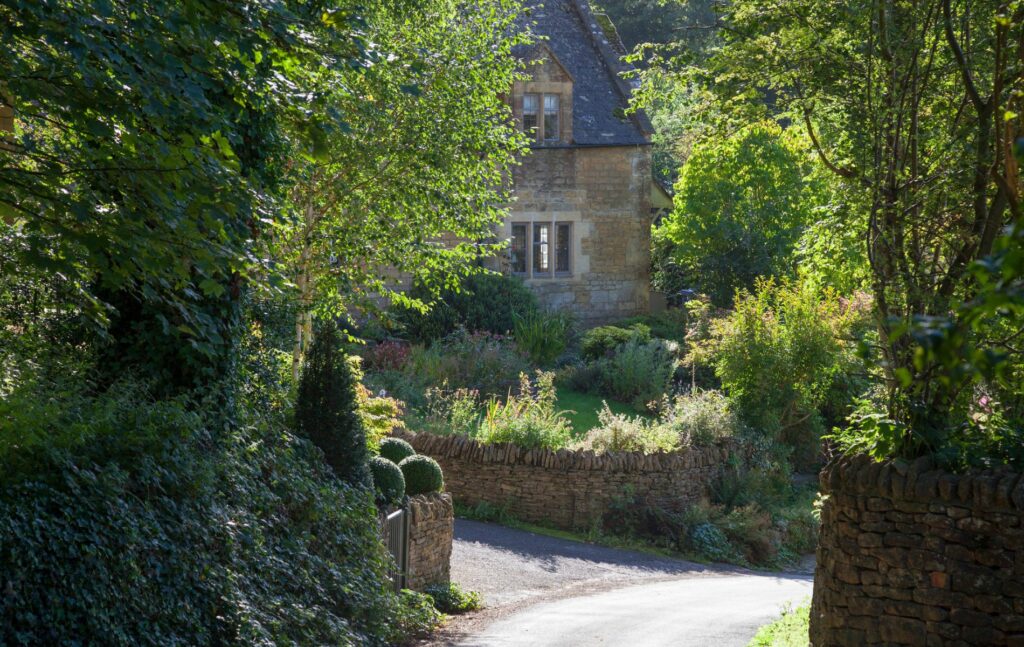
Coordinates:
[582,409]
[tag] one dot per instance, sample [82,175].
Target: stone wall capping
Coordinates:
[922,482]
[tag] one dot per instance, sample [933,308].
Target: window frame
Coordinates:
[532,247]
[540,135]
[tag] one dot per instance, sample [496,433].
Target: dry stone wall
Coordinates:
[911,555]
[564,488]
[431,530]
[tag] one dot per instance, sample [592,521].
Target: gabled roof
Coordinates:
[569,29]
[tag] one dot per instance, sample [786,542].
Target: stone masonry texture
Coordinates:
[912,555]
[567,489]
[605,193]
[431,531]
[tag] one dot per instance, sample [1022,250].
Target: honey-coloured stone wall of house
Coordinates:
[431,531]
[567,489]
[912,555]
[605,193]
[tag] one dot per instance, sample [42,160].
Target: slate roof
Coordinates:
[568,28]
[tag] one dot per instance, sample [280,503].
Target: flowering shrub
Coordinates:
[389,355]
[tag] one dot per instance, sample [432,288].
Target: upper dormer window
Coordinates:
[541,117]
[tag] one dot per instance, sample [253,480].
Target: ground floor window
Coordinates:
[541,249]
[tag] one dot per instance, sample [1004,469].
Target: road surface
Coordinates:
[542,591]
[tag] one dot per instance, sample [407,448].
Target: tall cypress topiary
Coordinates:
[326,408]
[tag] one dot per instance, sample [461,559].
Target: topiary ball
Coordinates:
[396,450]
[422,475]
[388,480]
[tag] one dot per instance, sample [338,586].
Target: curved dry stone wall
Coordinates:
[910,555]
[431,530]
[564,488]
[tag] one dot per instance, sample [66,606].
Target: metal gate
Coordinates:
[396,536]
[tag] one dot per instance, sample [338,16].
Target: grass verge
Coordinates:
[789,630]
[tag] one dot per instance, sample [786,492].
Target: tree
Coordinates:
[909,104]
[741,206]
[414,183]
[145,157]
[326,408]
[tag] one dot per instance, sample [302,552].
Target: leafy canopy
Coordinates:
[741,206]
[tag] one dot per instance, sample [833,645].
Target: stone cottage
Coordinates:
[579,223]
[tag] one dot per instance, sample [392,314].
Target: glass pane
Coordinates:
[551,117]
[531,113]
[550,126]
[562,248]
[530,123]
[542,248]
[518,249]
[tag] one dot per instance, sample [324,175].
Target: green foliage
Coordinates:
[380,415]
[326,409]
[484,302]
[670,325]
[777,355]
[741,206]
[604,340]
[449,412]
[529,419]
[388,480]
[395,449]
[140,174]
[427,143]
[771,530]
[928,215]
[693,419]
[422,475]
[791,629]
[484,362]
[451,599]
[639,372]
[165,533]
[710,542]
[621,433]
[702,417]
[543,336]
